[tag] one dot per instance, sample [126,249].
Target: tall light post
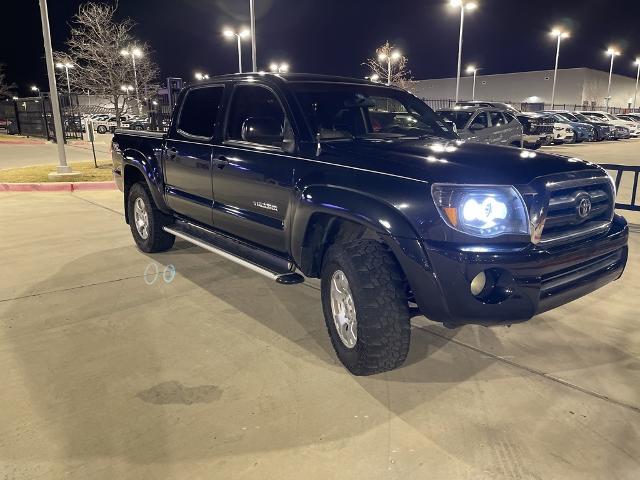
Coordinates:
[560,34]
[279,67]
[635,96]
[63,167]
[463,5]
[473,69]
[229,33]
[389,57]
[66,66]
[254,58]
[134,52]
[613,53]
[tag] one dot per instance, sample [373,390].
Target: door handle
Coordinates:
[172,152]
[222,162]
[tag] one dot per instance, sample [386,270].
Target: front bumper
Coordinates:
[539,279]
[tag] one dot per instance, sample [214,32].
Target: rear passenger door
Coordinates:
[187,157]
[498,134]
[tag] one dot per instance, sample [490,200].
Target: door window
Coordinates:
[256,116]
[199,112]
[479,122]
[497,120]
[508,117]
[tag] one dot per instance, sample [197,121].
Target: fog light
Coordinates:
[478,283]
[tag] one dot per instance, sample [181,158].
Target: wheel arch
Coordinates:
[327,213]
[138,168]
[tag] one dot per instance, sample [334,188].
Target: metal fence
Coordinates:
[33,117]
[620,170]
[437,104]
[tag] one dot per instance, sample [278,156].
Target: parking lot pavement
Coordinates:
[622,152]
[13,155]
[112,370]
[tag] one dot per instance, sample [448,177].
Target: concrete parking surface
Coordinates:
[112,370]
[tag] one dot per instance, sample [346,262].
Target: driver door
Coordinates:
[252,169]
[477,129]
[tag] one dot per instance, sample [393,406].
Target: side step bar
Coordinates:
[264,263]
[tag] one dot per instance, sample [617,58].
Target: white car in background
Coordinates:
[634,127]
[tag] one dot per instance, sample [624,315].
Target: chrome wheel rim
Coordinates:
[343,309]
[141,218]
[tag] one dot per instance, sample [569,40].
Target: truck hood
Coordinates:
[449,161]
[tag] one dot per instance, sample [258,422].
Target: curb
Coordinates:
[56,186]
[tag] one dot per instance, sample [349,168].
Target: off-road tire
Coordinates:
[157,240]
[379,293]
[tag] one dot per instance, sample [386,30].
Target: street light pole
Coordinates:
[613,52]
[560,34]
[227,32]
[463,4]
[635,96]
[66,66]
[63,167]
[473,69]
[390,56]
[134,52]
[254,61]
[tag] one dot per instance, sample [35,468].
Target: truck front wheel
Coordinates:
[146,221]
[364,300]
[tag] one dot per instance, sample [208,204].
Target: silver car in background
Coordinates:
[484,125]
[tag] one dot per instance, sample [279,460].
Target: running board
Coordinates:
[260,261]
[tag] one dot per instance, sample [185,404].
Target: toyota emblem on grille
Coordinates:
[584,207]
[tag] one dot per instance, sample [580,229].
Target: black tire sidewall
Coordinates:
[138,191]
[348,356]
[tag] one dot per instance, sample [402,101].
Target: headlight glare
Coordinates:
[482,211]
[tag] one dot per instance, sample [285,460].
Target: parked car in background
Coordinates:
[631,117]
[634,127]
[137,123]
[537,130]
[562,131]
[622,133]
[483,103]
[485,125]
[109,124]
[604,130]
[582,132]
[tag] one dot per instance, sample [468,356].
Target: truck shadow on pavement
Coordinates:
[104,368]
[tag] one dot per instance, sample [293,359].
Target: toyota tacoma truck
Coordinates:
[361,185]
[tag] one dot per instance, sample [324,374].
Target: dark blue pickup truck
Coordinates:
[363,186]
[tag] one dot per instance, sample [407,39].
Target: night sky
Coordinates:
[336,36]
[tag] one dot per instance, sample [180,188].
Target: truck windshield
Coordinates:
[338,111]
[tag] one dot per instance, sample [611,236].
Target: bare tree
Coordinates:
[6,89]
[379,66]
[95,50]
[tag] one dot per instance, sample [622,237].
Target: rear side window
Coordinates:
[199,112]
[508,117]
[497,120]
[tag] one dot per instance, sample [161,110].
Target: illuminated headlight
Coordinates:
[482,211]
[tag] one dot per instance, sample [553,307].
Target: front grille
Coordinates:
[577,208]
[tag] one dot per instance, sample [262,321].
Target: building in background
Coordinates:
[575,87]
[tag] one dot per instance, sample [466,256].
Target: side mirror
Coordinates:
[263,130]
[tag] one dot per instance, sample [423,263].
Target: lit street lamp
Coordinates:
[374,78]
[201,76]
[560,34]
[279,67]
[635,97]
[134,52]
[463,5]
[473,69]
[35,89]
[392,56]
[239,36]
[66,66]
[613,53]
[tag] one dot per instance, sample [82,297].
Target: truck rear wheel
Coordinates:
[364,300]
[146,221]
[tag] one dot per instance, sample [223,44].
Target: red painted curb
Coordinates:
[56,186]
